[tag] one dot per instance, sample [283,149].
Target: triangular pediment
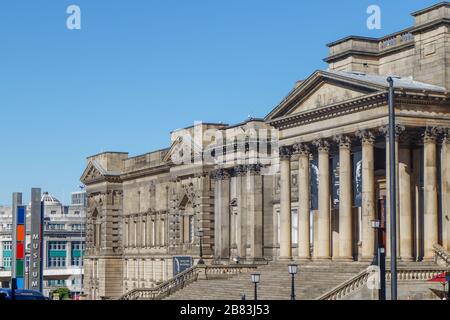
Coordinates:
[322,89]
[179,146]
[325,94]
[93,172]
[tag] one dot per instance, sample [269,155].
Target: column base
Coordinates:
[285,259]
[408,259]
[303,259]
[322,259]
[366,259]
[344,259]
[428,259]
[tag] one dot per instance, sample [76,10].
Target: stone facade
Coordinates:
[311,193]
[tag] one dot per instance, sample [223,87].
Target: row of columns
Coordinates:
[239,219]
[344,250]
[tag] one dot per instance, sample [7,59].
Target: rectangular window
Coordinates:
[56,262]
[77,261]
[7,262]
[191,229]
[7,245]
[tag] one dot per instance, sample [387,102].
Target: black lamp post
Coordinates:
[200,234]
[256,277]
[392,189]
[293,268]
[380,258]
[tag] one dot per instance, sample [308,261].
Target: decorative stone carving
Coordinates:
[220,174]
[254,169]
[366,136]
[301,149]
[343,141]
[285,153]
[322,145]
[430,134]
[399,129]
[239,171]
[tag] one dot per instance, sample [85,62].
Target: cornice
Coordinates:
[363,103]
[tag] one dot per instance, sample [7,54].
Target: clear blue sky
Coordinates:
[140,68]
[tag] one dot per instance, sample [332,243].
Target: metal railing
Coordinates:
[442,257]
[184,279]
[404,274]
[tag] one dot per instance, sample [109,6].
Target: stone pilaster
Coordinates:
[430,193]
[323,241]
[222,214]
[368,194]
[385,130]
[255,210]
[285,204]
[405,200]
[345,198]
[445,187]
[304,197]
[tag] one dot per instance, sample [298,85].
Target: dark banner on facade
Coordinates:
[181,264]
[357,178]
[335,180]
[314,184]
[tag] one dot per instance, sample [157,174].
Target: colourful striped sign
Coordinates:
[20,246]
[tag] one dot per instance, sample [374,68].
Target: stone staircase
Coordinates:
[313,280]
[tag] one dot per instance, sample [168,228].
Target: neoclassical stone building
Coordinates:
[303,183]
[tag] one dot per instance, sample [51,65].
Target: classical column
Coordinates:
[405,201]
[398,130]
[430,193]
[445,189]
[345,198]
[323,242]
[285,204]
[222,214]
[304,198]
[255,210]
[240,173]
[368,195]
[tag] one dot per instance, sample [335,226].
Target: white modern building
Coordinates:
[64,234]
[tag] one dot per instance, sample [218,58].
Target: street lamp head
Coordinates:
[376,224]
[200,233]
[293,268]
[256,277]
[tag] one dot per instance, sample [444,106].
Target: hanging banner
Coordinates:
[357,178]
[314,183]
[335,180]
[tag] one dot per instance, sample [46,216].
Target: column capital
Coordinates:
[301,149]
[399,129]
[430,134]
[220,174]
[322,145]
[366,136]
[344,142]
[444,135]
[254,169]
[239,171]
[285,153]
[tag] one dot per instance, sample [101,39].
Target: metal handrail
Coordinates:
[183,279]
[441,255]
